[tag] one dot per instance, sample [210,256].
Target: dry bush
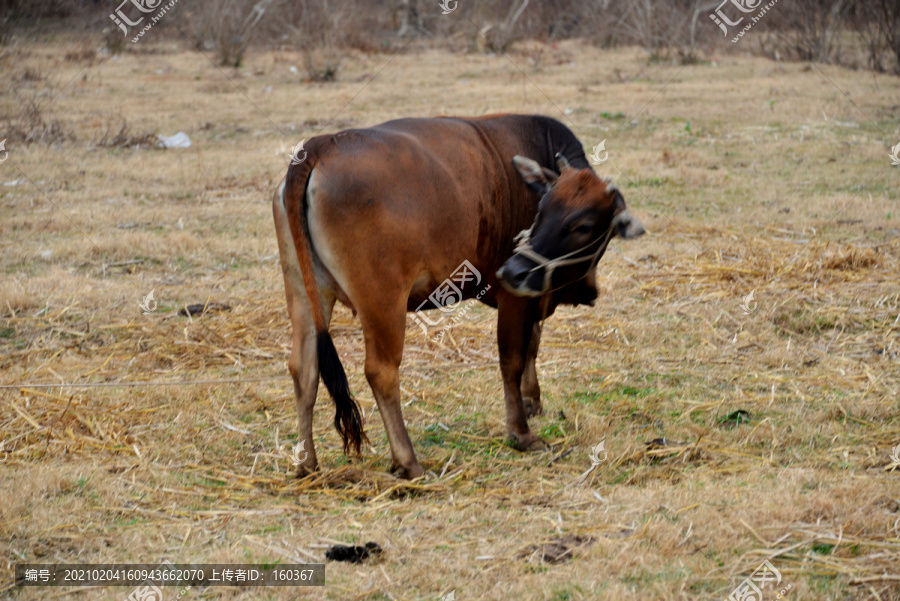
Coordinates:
[809,30]
[124,138]
[502,23]
[652,24]
[31,125]
[27,120]
[878,23]
[321,33]
[663,28]
[410,18]
[498,37]
[230,26]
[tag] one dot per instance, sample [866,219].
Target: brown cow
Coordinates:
[379,218]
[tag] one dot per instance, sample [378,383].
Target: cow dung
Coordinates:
[207,308]
[355,554]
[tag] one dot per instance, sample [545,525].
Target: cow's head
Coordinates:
[577,216]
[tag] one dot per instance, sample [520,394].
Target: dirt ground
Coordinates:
[730,435]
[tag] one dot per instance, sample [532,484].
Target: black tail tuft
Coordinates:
[347,419]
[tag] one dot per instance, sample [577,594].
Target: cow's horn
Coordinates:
[561,162]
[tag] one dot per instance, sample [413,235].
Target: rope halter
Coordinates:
[525,249]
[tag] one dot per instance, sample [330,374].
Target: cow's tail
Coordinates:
[347,418]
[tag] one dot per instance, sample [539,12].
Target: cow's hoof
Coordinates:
[305,470]
[407,473]
[531,444]
[532,407]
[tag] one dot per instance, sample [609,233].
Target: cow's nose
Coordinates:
[515,278]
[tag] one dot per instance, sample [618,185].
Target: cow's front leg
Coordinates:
[515,323]
[384,332]
[531,390]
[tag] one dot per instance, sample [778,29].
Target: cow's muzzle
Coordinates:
[514,275]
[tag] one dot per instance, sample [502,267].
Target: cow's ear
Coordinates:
[538,178]
[625,225]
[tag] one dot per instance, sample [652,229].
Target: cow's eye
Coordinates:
[584,228]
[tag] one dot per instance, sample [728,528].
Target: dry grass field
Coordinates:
[730,438]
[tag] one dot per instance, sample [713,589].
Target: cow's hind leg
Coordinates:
[303,363]
[531,390]
[515,322]
[385,329]
[304,367]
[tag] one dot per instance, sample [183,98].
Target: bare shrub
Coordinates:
[124,137]
[698,35]
[27,120]
[878,23]
[887,15]
[410,18]
[662,27]
[810,30]
[30,125]
[498,37]
[667,28]
[321,34]
[230,26]
[650,27]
